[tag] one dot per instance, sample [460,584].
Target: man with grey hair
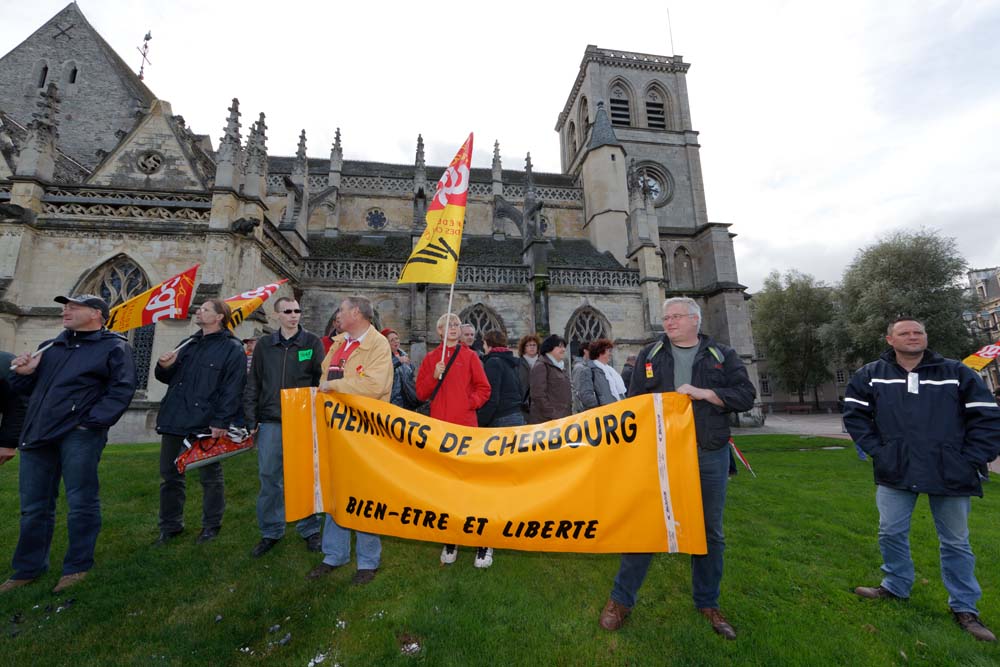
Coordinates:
[714,376]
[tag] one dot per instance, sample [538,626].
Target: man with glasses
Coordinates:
[716,379]
[289,357]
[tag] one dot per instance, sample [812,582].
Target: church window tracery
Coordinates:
[621,111]
[483,318]
[586,325]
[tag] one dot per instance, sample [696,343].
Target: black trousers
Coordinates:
[172,489]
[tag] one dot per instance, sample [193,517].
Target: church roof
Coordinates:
[602,134]
[476,251]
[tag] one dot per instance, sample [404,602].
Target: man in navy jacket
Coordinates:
[930,426]
[714,376]
[79,388]
[205,381]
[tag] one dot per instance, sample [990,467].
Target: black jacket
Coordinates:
[716,367]
[931,434]
[13,405]
[86,379]
[278,365]
[505,387]
[205,385]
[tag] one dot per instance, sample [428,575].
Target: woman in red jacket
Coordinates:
[463,391]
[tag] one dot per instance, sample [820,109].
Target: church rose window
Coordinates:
[375,218]
[149,162]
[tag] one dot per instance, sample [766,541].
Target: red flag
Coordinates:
[168,300]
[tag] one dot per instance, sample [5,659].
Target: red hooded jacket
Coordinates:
[465,387]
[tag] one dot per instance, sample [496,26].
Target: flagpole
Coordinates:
[447,322]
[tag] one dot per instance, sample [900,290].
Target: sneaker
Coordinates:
[449,554]
[484,557]
[971,624]
[68,580]
[314,543]
[262,547]
[362,577]
[11,584]
[207,535]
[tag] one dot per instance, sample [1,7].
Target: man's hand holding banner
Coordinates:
[620,478]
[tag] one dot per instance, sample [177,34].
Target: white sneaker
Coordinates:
[484,557]
[449,554]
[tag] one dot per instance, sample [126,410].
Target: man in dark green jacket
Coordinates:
[716,379]
[289,357]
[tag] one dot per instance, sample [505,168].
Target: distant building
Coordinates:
[985,286]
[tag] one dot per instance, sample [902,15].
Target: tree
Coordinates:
[790,316]
[917,274]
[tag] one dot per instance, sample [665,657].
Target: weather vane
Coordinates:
[144,50]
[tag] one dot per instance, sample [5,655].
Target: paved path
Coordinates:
[781,423]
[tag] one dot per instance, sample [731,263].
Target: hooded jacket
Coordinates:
[928,431]
[716,367]
[551,393]
[86,379]
[205,385]
[505,387]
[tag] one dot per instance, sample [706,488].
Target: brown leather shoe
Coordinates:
[320,570]
[876,593]
[362,577]
[68,580]
[719,622]
[11,584]
[614,615]
[971,624]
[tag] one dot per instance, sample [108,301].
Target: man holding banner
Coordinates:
[359,362]
[715,378]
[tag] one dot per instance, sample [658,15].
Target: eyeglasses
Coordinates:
[289,311]
[676,318]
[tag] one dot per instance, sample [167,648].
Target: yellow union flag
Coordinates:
[982,358]
[620,478]
[435,257]
[247,302]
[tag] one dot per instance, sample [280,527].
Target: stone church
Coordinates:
[104,189]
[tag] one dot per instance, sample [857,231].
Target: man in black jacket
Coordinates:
[79,387]
[289,357]
[206,377]
[930,426]
[715,378]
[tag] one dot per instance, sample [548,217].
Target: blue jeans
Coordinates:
[951,518]
[271,499]
[74,458]
[337,546]
[706,571]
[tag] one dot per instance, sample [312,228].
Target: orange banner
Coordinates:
[247,302]
[616,479]
[168,300]
[435,256]
[982,358]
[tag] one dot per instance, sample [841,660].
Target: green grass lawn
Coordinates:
[800,537]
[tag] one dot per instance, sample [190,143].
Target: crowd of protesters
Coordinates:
[58,403]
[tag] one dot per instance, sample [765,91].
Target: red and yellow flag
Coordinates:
[982,358]
[435,257]
[247,302]
[168,300]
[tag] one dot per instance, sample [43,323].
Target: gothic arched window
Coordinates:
[584,119]
[621,104]
[656,108]
[586,325]
[116,281]
[483,318]
[571,132]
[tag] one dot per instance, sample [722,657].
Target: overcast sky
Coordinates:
[823,126]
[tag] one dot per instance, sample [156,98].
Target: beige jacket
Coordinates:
[367,372]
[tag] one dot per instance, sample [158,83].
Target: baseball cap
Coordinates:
[89,300]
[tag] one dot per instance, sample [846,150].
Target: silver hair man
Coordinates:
[691,304]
